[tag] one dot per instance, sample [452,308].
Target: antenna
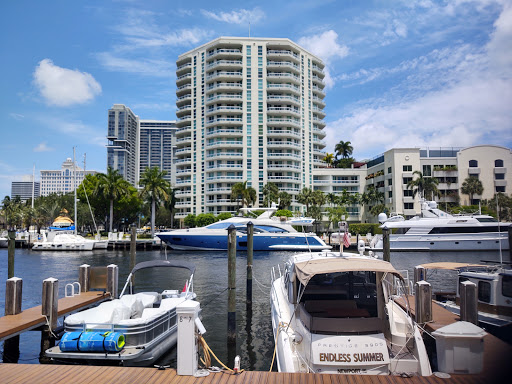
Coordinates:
[249,29]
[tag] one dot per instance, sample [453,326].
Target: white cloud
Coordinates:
[63,87]
[500,43]
[242,16]
[16,116]
[43,147]
[327,48]
[151,67]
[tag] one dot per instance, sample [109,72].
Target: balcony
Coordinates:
[319,132]
[183,193]
[224,178]
[183,150]
[281,98]
[285,167]
[225,143]
[224,87]
[318,111]
[183,79]
[224,52]
[225,109]
[227,155]
[183,68]
[275,143]
[225,167]
[212,132]
[319,122]
[217,190]
[225,121]
[283,76]
[283,64]
[184,171]
[282,155]
[225,64]
[319,101]
[283,122]
[223,97]
[224,75]
[219,201]
[284,178]
[283,87]
[183,110]
[283,133]
[282,53]
[183,182]
[473,171]
[445,173]
[318,71]
[185,160]
[183,121]
[186,130]
[443,186]
[183,89]
[318,91]
[283,111]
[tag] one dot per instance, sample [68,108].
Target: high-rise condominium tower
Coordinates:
[249,110]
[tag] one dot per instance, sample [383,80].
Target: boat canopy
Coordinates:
[164,263]
[448,265]
[307,269]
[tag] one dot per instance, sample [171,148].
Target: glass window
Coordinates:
[484,291]
[498,163]
[506,286]
[407,168]
[473,163]
[427,170]
[499,176]
[408,205]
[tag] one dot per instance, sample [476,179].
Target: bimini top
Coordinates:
[164,263]
[307,269]
[448,265]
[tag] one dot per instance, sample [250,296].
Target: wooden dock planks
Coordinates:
[32,318]
[64,374]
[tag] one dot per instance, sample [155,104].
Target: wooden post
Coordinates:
[420,273]
[231,283]
[468,302]
[13,293]
[250,246]
[11,235]
[423,302]
[510,240]
[50,309]
[112,280]
[386,247]
[133,250]
[83,277]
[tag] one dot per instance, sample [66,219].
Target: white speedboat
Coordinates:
[144,324]
[337,314]
[436,230]
[270,234]
[63,241]
[494,287]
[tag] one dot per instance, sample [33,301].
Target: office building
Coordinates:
[63,180]
[135,144]
[248,109]
[25,189]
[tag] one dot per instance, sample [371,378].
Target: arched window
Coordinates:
[498,163]
[473,163]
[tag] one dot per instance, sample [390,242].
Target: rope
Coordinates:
[50,327]
[260,284]
[207,360]
[281,324]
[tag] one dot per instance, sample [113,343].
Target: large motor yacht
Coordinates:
[436,230]
[337,314]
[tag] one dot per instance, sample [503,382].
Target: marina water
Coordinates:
[254,332]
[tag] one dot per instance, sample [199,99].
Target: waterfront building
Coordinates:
[248,109]
[61,180]
[25,189]
[135,144]
[123,136]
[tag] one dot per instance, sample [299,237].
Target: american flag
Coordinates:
[346,239]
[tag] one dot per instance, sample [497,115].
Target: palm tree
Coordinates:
[423,185]
[244,194]
[472,186]
[344,149]
[285,199]
[329,158]
[305,197]
[111,186]
[155,188]
[270,194]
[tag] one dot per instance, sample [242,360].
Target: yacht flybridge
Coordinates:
[270,234]
[337,314]
[436,230]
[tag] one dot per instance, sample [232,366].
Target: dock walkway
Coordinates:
[32,318]
[52,374]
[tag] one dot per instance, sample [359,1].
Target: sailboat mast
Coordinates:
[33,184]
[74,183]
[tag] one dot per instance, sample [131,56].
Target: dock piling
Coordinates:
[11,235]
[250,246]
[231,283]
[468,302]
[50,307]
[386,247]
[13,295]
[83,277]
[133,250]
[112,280]
[419,274]
[423,302]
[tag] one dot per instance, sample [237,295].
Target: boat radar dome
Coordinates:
[432,204]
[382,217]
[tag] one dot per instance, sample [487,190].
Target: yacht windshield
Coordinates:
[219,225]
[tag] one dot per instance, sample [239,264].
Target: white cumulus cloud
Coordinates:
[327,48]
[63,87]
[241,16]
[43,147]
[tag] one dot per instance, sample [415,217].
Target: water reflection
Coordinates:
[254,341]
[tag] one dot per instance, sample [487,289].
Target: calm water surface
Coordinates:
[254,332]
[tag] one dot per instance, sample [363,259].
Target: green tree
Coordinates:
[329,158]
[285,199]
[344,149]
[424,186]
[155,188]
[204,219]
[270,193]
[283,213]
[335,215]
[112,186]
[243,194]
[190,220]
[305,197]
[224,216]
[472,186]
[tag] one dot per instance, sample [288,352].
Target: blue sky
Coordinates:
[399,73]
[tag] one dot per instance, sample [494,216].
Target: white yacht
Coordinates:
[143,325]
[270,234]
[337,314]
[436,230]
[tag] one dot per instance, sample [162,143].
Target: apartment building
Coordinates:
[25,189]
[248,109]
[63,180]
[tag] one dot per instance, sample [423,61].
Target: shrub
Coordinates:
[224,216]
[284,212]
[364,228]
[190,221]
[204,219]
